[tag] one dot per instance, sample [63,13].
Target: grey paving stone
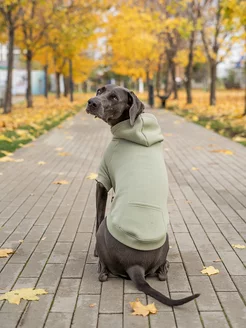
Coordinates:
[82,242]
[240,282]
[130,288]
[36,312]
[86,312]
[110,320]
[58,320]
[35,265]
[66,296]
[234,307]
[112,296]
[90,283]
[50,277]
[233,264]
[86,224]
[214,319]
[130,320]
[187,314]
[162,319]
[60,253]
[9,275]
[9,321]
[177,279]
[75,265]
[208,300]
[22,254]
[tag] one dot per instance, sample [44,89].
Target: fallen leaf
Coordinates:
[69,137]
[167,134]
[29,294]
[60,126]
[92,176]
[167,149]
[92,305]
[64,153]
[140,309]
[41,163]
[218,260]
[238,246]
[195,168]
[21,241]
[5,252]
[1,173]
[3,138]
[198,147]
[61,173]
[43,238]
[10,159]
[223,151]
[61,182]
[177,122]
[210,270]
[59,148]
[7,153]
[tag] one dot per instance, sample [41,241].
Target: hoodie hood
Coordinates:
[146,130]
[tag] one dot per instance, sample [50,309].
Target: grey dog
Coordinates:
[114,104]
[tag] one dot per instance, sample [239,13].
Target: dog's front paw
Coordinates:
[103,276]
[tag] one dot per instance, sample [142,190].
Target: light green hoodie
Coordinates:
[133,165]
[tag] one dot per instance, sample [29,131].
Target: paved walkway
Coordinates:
[51,228]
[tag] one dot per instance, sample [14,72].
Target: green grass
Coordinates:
[46,125]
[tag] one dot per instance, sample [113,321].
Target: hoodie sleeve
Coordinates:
[103,175]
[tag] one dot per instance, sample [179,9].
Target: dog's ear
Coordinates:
[136,108]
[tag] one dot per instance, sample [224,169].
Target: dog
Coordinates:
[132,242]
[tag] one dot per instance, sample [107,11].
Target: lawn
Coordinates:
[226,118]
[23,124]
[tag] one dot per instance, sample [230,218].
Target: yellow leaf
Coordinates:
[19,160]
[92,305]
[29,294]
[218,260]
[140,309]
[223,151]
[69,137]
[3,138]
[210,270]
[168,134]
[238,246]
[59,148]
[195,168]
[64,154]
[6,159]
[195,118]
[61,182]
[7,153]
[5,252]
[41,163]
[92,176]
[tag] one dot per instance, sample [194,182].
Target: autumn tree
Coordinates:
[10,11]
[219,32]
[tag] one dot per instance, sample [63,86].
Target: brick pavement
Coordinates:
[207,209]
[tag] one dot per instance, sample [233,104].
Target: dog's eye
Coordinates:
[113,97]
[98,92]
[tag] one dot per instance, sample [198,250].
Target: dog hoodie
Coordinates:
[133,165]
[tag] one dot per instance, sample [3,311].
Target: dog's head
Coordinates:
[114,104]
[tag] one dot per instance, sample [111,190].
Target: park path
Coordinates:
[51,228]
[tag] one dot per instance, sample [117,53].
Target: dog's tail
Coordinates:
[137,275]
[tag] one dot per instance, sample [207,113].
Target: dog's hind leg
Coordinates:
[103,271]
[162,271]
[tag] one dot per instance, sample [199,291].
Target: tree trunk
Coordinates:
[46,82]
[158,78]
[173,73]
[213,68]
[166,79]
[188,70]
[71,79]
[58,90]
[66,85]
[29,78]
[8,92]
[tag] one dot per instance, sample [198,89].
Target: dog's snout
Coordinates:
[93,102]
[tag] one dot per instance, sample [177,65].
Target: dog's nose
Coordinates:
[93,103]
